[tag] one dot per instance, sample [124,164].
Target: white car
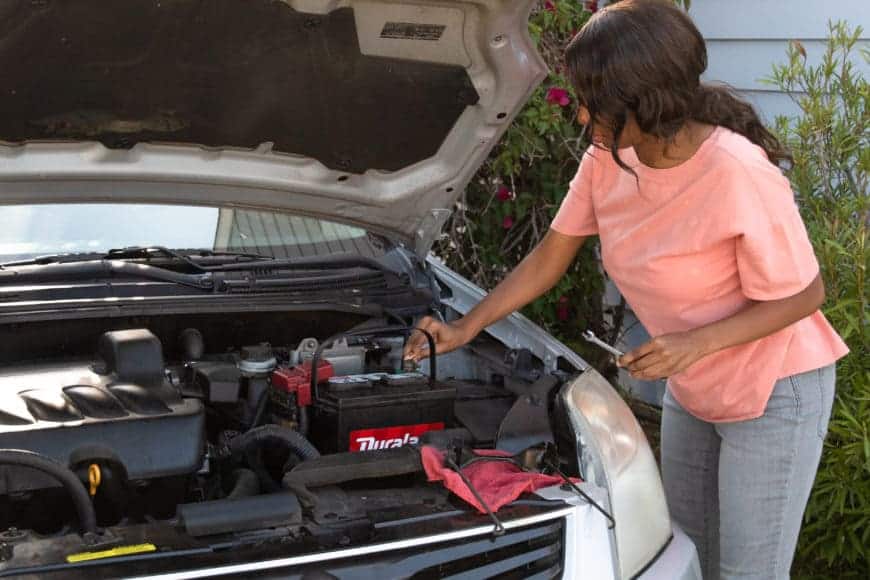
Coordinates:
[216,218]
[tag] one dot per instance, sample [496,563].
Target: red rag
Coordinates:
[497,482]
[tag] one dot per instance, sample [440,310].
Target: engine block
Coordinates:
[120,409]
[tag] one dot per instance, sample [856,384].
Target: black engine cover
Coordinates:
[121,409]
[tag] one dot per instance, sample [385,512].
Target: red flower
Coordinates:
[504,194]
[563,311]
[549,6]
[592,5]
[508,222]
[558,96]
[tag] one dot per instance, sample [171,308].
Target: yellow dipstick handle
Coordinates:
[111,553]
[94,478]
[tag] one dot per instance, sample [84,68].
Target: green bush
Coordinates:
[830,141]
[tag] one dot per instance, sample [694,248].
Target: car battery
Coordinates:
[378,411]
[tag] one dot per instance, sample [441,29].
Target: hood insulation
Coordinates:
[222,74]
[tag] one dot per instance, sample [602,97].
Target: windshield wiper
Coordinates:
[134,252]
[62,271]
[228,254]
[246,272]
[139,252]
[329,262]
[52,259]
[239,260]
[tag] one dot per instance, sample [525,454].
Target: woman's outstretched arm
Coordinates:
[535,275]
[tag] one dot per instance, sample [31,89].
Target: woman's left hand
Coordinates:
[663,356]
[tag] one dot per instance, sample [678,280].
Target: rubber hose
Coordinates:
[303,420]
[249,443]
[79,495]
[244,483]
[254,459]
[260,411]
[274,434]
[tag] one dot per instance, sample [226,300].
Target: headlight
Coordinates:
[616,455]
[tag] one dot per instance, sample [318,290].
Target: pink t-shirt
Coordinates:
[695,243]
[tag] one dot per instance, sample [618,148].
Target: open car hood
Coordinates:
[370,112]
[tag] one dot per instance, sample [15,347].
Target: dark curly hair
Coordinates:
[646,57]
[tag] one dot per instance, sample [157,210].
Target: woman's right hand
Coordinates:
[447,335]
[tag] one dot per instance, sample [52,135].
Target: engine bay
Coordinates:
[172,425]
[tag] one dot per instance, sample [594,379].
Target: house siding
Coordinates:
[746,37]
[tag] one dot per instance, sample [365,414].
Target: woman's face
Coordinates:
[602,135]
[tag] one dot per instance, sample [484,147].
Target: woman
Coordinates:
[700,232]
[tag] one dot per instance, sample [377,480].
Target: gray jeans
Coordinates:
[739,489]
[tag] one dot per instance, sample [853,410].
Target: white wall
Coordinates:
[746,37]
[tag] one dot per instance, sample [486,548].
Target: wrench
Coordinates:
[590,337]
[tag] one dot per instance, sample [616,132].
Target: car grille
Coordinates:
[530,552]
[535,552]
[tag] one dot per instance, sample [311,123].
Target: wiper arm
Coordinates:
[147,252]
[131,252]
[229,254]
[138,252]
[100,269]
[329,262]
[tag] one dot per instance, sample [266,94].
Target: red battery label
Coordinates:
[389,437]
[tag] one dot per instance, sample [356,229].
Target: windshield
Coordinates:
[27,231]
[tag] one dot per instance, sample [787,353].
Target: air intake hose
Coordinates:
[245,483]
[249,443]
[84,508]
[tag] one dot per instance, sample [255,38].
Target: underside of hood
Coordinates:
[375,113]
[223,74]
